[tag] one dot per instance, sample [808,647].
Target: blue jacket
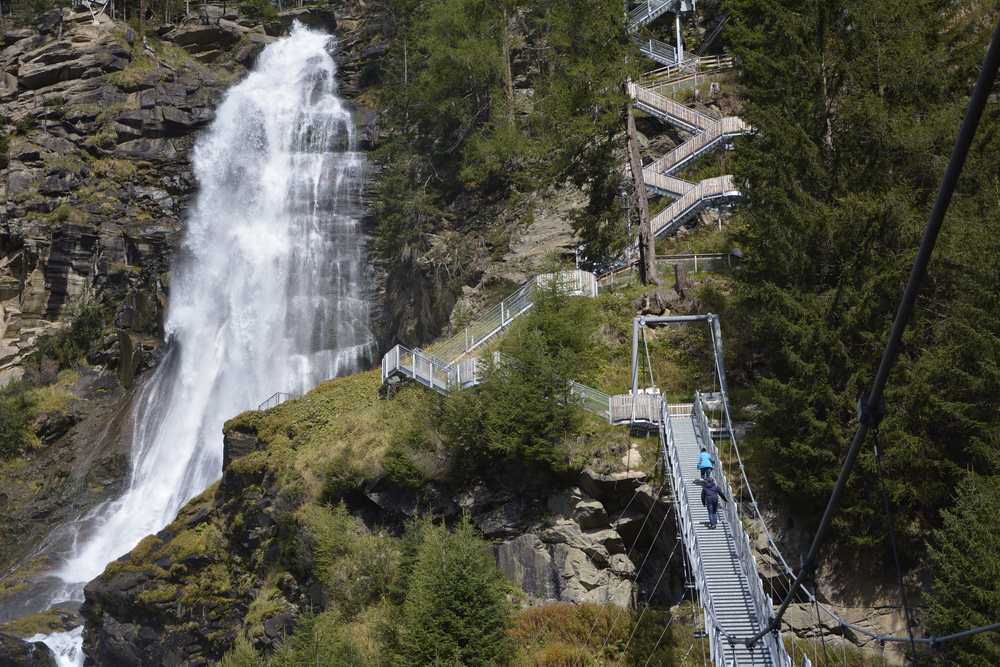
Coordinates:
[705,460]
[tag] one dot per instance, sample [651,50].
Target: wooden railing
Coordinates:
[671,185]
[711,188]
[690,68]
[656,103]
[717,131]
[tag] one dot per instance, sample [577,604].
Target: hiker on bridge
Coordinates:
[710,494]
[705,463]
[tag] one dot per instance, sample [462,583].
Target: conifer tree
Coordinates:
[455,611]
[965,554]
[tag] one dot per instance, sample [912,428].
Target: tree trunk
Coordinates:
[508,75]
[647,243]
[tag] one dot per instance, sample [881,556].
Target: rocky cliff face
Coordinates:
[100,124]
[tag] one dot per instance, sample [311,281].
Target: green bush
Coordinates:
[317,640]
[455,611]
[525,411]
[67,347]
[258,10]
[15,414]
[356,567]
[966,567]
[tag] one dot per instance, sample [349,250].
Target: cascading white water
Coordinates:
[268,293]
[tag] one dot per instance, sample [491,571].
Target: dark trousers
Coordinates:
[706,473]
[713,513]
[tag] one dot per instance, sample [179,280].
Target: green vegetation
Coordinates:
[67,347]
[465,137]
[141,66]
[524,411]
[15,411]
[966,571]
[258,10]
[856,116]
[455,611]
[119,170]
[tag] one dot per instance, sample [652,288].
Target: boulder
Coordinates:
[237,442]
[611,488]
[195,37]
[15,652]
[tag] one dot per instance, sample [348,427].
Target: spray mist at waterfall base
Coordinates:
[269,293]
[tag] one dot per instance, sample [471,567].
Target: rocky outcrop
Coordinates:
[17,653]
[96,182]
[185,593]
[82,461]
[576,557]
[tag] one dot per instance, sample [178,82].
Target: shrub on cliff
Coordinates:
[67,347]
[525,411]
[258,10]
[15,408]
[455,611]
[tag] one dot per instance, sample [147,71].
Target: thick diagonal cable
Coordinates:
[904,313]
[890,517]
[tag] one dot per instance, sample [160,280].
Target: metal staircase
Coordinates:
[708,132]
[647,11]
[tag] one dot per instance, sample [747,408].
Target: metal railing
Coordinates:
[491,322]
[712,261]
[432,372]
[659,51]
[647,11]
[276,399]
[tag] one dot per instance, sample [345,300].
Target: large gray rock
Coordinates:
[611,488]
[565,561]
[17,653]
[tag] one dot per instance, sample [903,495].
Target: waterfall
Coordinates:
[268,290]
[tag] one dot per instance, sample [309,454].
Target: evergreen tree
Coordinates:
[965,555]
[856,108]
[455,612]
